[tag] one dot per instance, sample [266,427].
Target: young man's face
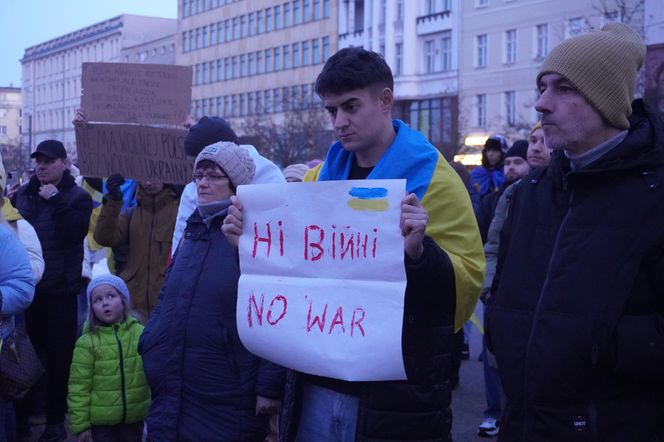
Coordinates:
[360,118]
[515,168]
[49,170]
[568,120]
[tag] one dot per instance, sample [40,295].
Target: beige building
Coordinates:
[419,40]
[254,57]
[503,43]
[10,116]
[51,71]
[158,51]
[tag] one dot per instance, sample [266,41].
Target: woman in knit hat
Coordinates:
[205,384]
[488,177]
[108,396]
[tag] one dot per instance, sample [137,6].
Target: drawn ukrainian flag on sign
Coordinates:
[372,199]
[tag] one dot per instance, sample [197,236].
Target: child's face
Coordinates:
[107,304]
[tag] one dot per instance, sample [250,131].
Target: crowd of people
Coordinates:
[127,290]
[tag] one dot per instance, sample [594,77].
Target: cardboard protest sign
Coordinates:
[323,278]
[136,93]
[138,152]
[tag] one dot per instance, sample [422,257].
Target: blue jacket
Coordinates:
[204,382]
[16,281]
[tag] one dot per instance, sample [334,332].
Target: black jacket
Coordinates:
[204,382]
[61,223]
[577,322]
[417,409]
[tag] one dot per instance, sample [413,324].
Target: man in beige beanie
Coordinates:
[577,314]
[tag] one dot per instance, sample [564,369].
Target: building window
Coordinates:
[446,51]
[251,105]
[198,38]
[276,101]
[398,59]
[228,30]
[212,39]
[306,11]
[542,41]
[286,103]
[205,73]
[268,19]
[429,56]
[277,17]
[268,60]
[297,18]
[277,59]
[481,110]
[287,59]
[481,43]
[326,8]
[243,65]
[510,108]
[259,62]
[267,98]
[576,26]
[287,15]
[482,3]
[185,42]
[259,102]
[243,105]
[252,23]
[220,71]
[316,9]
[205,36]
[227,105]
[510,46]
[227,68]
[296,55]
[197,79]
[212,76]
[399,11]
[220,110]
[236,73]
[252,64]
[236,28]
[235,111]
[315,55]
[306,60]
[244,30]
[326,48]
[260,28]
[220,32]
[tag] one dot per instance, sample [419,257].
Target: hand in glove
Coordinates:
[113,184]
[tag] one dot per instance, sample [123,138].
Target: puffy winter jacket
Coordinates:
[61,223]
[107,385]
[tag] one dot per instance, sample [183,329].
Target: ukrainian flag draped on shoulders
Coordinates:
[452,223]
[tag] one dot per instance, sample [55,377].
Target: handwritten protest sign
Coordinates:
[136,93]
[138,152]
[323,279]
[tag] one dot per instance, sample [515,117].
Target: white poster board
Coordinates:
[323,277]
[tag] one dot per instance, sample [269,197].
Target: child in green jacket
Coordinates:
[108,394]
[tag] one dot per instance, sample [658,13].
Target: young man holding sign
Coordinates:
[443,258]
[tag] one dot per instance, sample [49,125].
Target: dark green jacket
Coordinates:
[107,385]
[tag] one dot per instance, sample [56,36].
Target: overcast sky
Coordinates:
[24,23]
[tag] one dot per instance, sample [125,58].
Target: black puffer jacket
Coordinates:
[204,382]
[417,409]
[61,223]
[577,321]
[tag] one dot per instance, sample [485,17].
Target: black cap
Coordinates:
[50,148]
[208,130]
[518,149]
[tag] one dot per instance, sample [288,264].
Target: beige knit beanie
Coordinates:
[603,66]
[234,160]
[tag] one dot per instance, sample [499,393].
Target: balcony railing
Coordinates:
[437,22]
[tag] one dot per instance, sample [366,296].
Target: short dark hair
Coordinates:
[353,68]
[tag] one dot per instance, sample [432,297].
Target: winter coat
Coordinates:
[26,233]
[16,280]
[148,230]
[576,322]
[442,289]
[204,382]
[107,385]
[61,223]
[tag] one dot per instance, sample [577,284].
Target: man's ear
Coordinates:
[386,98]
